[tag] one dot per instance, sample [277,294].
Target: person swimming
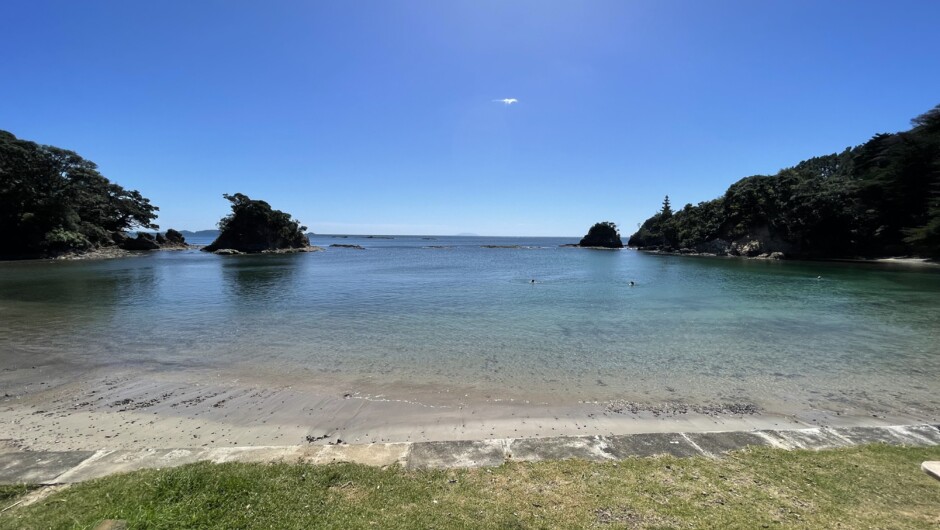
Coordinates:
[531,281]
[632,283]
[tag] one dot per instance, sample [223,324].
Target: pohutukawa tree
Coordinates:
[53,201]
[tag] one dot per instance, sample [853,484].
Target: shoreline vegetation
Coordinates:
[877,201]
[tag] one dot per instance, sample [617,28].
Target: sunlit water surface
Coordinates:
[448,313]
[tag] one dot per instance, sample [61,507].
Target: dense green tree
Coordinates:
[52,201]
[253,226]
[880,198]
[603,234]
[667,208]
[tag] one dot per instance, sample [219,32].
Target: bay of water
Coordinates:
[447,312]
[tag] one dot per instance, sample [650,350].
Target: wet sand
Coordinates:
[64,407]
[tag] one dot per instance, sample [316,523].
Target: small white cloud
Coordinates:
[506,101]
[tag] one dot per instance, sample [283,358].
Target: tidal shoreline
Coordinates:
[906,261]
[59,407]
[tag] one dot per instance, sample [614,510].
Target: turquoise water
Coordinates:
[401,314]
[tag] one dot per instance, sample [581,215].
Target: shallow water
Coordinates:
[404,315]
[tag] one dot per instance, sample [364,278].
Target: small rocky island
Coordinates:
[255,227]
[602,235]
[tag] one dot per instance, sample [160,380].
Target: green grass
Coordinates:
[873,486]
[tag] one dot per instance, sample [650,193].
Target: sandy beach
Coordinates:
[62,407]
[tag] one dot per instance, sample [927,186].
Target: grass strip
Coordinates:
[875,486]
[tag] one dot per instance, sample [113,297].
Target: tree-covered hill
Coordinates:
[604,234]
[881,198]
[54,201]
[253,226]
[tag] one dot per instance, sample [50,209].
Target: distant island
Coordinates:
[879,199]
[202,233]
[602,235]
[253,227]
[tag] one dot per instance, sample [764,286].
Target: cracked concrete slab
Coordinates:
[38,467]
[888,435]
[280,453]
[369,454]
[105,463]
[561,448]
[77,466]
[651,444]
[816,438]
[482,453]
[716,443]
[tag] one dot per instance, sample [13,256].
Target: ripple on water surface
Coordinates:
[470,317]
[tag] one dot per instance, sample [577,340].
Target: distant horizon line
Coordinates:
[463,234]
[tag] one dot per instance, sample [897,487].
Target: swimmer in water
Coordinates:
[531,281]
[632,283]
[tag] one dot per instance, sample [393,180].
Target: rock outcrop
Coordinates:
[602,235]
[143,241]
[253,226]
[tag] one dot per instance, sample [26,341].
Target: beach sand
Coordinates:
[64,407]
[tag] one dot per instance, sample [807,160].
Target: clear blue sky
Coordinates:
[378,117]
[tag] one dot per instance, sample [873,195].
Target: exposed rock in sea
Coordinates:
[253,226]
[227,252]
[749,248]
[172,239]
[119,238]
[357,247]
[143,241]
[718,247]
[602,235]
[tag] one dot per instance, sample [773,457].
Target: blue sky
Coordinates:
[378,117]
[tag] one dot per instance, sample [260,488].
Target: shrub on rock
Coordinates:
[604,234]
[253,226]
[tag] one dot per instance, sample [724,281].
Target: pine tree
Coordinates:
[667,208]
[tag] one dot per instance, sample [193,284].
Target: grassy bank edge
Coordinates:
[868,486]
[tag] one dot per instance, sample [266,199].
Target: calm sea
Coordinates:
[446,311]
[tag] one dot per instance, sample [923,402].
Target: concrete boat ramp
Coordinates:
[67,467]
